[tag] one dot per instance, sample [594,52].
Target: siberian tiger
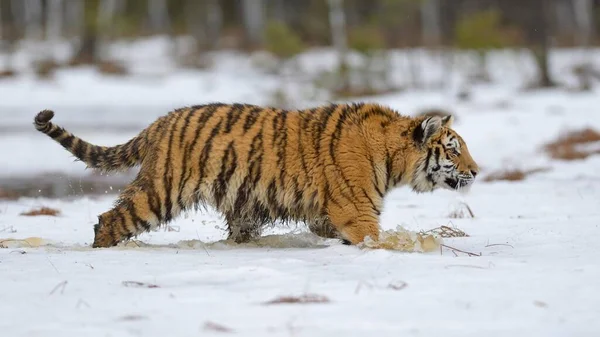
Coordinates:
[330,167]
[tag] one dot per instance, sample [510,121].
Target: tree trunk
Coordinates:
[33,19]
[541,48]
[430,16]
[158,15]
[565,17]
[214,22]
[584,15]
[1,23]
[104,25]
[88,48]
[74,17]
[337,21]
[253,11]
[194,26]
[54,20]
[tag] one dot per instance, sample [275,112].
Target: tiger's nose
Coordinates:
[474,173]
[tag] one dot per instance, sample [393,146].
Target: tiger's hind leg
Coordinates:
[242,229]
[138,209]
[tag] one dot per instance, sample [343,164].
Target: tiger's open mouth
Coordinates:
[458,183]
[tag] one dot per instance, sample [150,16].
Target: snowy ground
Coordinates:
[538,238]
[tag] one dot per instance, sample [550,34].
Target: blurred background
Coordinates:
[519,76]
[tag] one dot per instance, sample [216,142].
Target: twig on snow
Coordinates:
[217,327]
[62,285]
[304,299]
[454,250]
[52,264]
[137,284]
[397,285]
[500,244]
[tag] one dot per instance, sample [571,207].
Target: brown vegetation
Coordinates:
[210,326]
[112,68]
[303,299]
[8,194]
[41,211]
[45,68]
[514,175]
[7,73]
[568,145]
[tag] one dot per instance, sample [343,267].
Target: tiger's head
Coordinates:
[444,160]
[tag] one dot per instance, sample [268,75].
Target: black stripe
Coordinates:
[375,209]
[321,124]
[79,150]
[154,201]
[437,160]
[206,149]
[120,224]
[251,118]
[168,177]
[388,168]
[233,115]
[93,156]
[304,118]
[228,166]
[374,113]
[56,132]
[335,137]
[67,142]
[203,118]
[281,148]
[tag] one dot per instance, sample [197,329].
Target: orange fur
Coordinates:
[330,167]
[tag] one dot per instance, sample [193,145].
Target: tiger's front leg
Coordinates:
[325,229]
[355,221]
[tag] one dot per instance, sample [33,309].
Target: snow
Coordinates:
[536,275]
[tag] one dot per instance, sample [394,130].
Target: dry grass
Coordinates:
[446,232]
[303,299]
[464,211]
[514,175]
[41,211]
[565,147]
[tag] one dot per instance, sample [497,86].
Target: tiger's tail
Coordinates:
[115,158]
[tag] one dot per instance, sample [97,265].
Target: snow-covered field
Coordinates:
[535,274]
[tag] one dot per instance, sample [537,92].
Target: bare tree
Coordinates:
[430,16]
[54,19]
[337,20]
[540,14]
[74,16]
[158,15]
[33,19]
[214,22]
[584,15]
[1,23]
[253,11]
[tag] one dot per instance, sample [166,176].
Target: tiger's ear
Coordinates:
[447,121]
[426,129]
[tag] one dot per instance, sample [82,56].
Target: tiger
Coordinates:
[329,166]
